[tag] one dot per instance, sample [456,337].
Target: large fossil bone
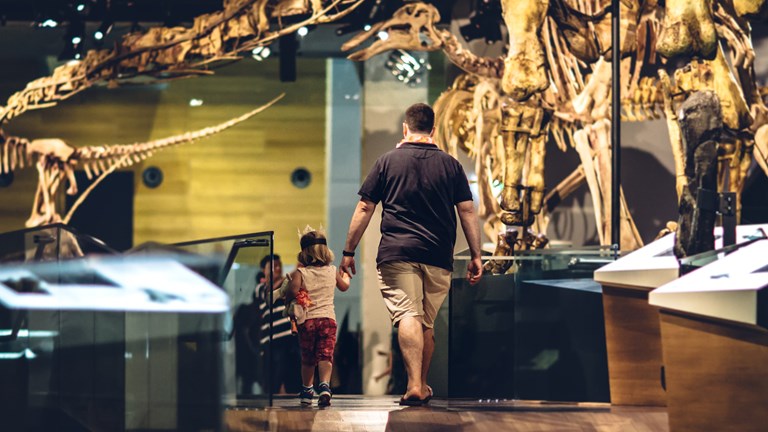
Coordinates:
[166,53]
[519,126]
[524,67]
[688,29]
[700,123]
[524,130]
[413,27]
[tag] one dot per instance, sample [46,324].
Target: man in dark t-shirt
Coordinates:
[420,188]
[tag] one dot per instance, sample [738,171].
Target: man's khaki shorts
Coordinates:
[413,289]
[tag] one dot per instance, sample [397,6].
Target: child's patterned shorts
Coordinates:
[317,338]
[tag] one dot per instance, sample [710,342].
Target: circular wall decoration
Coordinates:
[301,178]
[6,179]
[152,177]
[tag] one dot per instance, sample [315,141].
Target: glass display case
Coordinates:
[111,343]
[247,358]
[49,243]
[535,332]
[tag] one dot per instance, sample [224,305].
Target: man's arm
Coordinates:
[471,228]
[360,219]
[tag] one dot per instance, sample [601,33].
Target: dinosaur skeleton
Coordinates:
[161,53]
[172,52]
[554,66]
[56,162]
[532,101]
[743,111]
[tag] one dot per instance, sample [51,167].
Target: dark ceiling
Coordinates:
[119,10]
[166,11]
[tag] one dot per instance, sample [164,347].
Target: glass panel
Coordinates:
[49,243]
[111,343]
[534,333]
[691,263]
[247,358]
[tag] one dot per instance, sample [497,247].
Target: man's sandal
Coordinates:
[429,396]
[414,401]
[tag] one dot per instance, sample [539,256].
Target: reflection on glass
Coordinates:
[49,243]
[247,360]
[534,333]
[691,263]
[111,343]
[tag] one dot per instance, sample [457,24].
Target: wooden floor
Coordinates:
[370,414]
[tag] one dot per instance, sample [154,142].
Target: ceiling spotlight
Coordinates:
[82,7]
[104,29]
[383,35]
[195,102]
[260,53]
[303,31]
[49,23]
[406,68]
[367,27]
[71,52]
[73,41]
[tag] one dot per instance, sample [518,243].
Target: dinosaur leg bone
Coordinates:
[525,70]
[700,123]
[688,29]
[521,123]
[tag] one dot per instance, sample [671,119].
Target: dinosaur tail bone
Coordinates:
[99,159]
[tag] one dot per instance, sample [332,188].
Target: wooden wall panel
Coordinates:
[237,181]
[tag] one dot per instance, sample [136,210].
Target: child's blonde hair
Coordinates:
[314,250]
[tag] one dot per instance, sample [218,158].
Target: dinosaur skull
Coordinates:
[412,27]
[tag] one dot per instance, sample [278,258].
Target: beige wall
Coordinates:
[235,182]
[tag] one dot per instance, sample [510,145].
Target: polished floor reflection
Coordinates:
[370,414]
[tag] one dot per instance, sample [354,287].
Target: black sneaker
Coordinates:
[325,395]
[306,396]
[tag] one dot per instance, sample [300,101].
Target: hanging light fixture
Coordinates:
[407,68]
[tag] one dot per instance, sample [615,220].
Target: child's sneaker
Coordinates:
[325,395]
[306,396]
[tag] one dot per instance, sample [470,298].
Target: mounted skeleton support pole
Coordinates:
[616,124]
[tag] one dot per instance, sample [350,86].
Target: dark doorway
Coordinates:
[107,213]
[754,198]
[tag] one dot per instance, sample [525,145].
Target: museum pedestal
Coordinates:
[632,328]
[715,374]
[633,340]
[715,344]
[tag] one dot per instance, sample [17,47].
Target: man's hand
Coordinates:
[348,265]
[474,271]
